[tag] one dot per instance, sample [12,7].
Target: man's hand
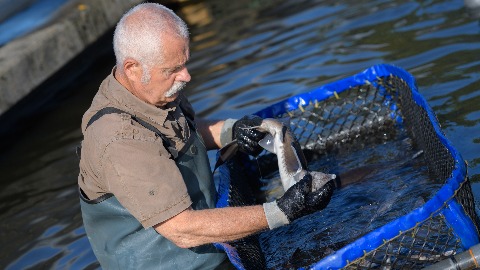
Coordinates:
[247,136]
[298,201]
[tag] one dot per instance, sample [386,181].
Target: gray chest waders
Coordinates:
[120,242]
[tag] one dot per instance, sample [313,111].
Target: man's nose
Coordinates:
[184,75]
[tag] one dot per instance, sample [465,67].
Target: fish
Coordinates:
[354,175]
[292,164]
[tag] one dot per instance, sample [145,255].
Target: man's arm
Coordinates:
[210,131]
[218,133]
[192,228]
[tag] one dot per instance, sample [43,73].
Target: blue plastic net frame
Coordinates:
[442,203]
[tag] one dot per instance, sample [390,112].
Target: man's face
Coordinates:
[167,79]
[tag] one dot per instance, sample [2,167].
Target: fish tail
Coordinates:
[319,179]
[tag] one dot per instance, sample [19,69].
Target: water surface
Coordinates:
[397,182]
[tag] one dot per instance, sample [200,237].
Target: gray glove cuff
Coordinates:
[226,132]
[275,216]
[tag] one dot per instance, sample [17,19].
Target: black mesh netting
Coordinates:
[358,116]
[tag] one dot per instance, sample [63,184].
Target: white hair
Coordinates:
[140,35]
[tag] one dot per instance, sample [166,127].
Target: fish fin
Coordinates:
[297,149]
[284,131]
[268,143]
[226,152]
[286,126]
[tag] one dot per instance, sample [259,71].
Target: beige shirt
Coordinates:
[122,157]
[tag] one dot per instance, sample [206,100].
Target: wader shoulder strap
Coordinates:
[110,110]
[189,117]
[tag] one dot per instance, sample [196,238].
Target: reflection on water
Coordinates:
[245,55]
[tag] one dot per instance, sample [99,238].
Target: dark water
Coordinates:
[245,55]
[397,182]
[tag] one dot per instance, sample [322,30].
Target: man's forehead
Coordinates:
[176,49]
[178,59]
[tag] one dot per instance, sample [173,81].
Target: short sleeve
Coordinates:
[145,180]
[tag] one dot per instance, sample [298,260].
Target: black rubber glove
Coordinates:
[299,200]
[319,199]
[247,135]
[293,202]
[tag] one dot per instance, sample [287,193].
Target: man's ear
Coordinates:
[132,69]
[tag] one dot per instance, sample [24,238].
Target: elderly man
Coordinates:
[147,193]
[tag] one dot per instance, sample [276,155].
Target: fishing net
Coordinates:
[367,108]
